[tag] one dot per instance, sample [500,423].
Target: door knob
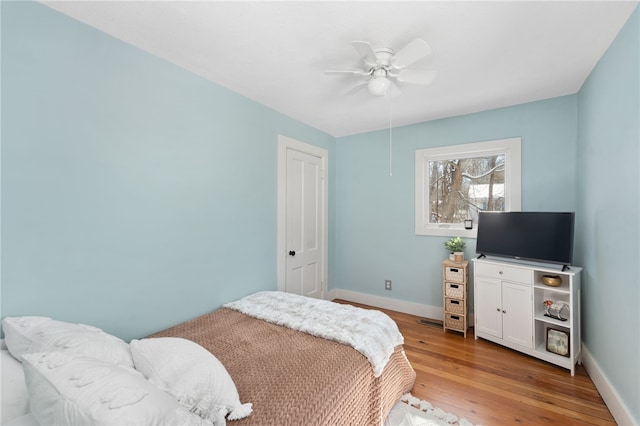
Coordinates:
[292,253]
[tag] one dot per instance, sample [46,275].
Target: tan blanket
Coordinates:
[293,378]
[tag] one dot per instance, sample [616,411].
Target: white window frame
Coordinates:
[511,148]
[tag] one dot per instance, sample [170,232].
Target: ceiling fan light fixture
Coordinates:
[379,84]
[384,66]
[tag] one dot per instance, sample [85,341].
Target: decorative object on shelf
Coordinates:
[455,246]
[552,280]
[554,309]
[558,341]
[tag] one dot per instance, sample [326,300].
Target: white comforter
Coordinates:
[370,332]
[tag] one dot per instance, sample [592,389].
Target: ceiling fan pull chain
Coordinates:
[390,138]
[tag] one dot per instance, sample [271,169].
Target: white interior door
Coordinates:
[302,230]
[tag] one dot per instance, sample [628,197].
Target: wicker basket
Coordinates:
[454,321]
[454,274]
[454,290]
[454,306]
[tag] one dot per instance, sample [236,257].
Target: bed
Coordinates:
[293,360]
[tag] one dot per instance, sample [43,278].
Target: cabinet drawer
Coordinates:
[455,306]
[504,272]
[453,321]
[454,274]
[454,290]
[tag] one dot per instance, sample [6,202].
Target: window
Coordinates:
[454,183]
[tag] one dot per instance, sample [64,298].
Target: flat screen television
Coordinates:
[535,236]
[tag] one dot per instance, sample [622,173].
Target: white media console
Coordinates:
[509,309]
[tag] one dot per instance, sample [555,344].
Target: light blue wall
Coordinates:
[608,231]
[375,233]
[135,194]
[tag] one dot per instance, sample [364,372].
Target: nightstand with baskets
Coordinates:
[455,290]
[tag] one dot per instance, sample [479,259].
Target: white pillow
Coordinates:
[26,420]
[24,335]
[15,398]
[192,374]
[71,389]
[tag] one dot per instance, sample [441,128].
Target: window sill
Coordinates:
[447,231]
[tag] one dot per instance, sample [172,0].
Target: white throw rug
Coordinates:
[411,411]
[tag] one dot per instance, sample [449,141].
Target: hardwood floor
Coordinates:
[489,384]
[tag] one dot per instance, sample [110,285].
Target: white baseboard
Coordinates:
[618,408]
[418,309]
[413,308]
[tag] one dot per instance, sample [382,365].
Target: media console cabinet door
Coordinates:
[488,306]
[517,325]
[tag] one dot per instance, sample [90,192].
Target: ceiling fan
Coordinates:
[383,66]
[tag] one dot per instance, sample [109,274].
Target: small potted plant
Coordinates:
[455,246]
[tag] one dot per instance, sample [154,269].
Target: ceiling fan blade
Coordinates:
[352,71]
[412,52]
[361,85]
[395,90]
[365,51]
[416,76]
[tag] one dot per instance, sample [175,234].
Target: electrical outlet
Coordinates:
[387,284]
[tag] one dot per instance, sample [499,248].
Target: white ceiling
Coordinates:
[487,54]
